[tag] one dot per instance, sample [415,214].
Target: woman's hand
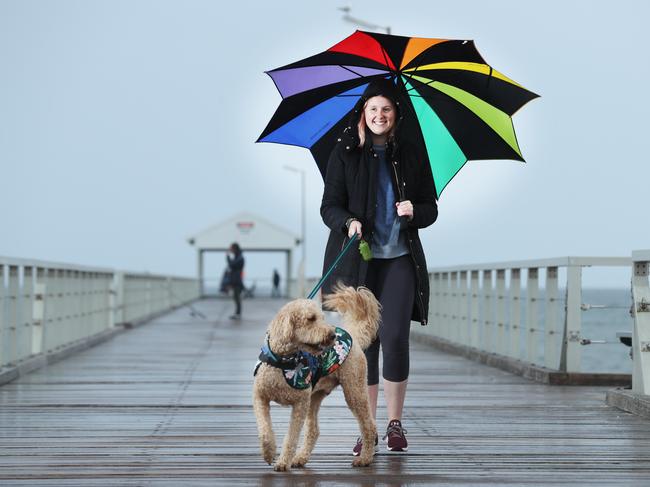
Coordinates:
[355,227]
[405,208]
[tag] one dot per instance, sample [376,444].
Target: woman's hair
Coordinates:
[235,248]
[363,129]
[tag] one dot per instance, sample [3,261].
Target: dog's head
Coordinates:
[300,325]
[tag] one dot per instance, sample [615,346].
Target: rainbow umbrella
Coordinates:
[457,106]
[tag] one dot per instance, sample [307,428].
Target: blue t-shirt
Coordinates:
[388,241]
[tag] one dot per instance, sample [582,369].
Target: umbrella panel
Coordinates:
[474,136]
[308,127]
[503,95]
[298,80]
[295,105]
[462,51]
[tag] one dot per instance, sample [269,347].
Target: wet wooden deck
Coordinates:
[169,403]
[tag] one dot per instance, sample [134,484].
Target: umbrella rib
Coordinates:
[410,77]
[383,51]
[351,70]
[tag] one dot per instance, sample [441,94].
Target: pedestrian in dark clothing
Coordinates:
[275,292]
[377,186]
[235,260]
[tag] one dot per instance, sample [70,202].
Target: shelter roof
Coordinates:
[250,231]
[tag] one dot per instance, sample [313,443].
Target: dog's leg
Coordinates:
[357,399]
[262,409]
[311,430]
[298,413]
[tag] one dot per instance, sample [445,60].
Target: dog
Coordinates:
[304,359]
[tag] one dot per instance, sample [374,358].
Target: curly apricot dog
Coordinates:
[304,359]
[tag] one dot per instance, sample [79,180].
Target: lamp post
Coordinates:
[361,23]
[303,233]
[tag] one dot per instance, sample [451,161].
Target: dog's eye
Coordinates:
[311,318]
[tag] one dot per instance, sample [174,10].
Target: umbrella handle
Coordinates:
[333,266]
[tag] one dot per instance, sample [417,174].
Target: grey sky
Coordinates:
[125,126]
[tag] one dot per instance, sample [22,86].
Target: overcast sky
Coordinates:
[126,126]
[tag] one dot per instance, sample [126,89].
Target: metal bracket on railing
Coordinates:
[644,306]
[574,336]
[645,346]
[587,306]
[587,341]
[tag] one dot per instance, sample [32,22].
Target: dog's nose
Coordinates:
[332,336]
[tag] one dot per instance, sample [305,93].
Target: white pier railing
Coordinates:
[45,306]
[641,313]
[496,308]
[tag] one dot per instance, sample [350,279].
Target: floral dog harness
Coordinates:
[302,370]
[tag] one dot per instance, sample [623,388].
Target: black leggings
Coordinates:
[392,281]
[236,294]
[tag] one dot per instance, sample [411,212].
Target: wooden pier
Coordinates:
[169,403]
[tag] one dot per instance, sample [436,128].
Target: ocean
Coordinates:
[603,324]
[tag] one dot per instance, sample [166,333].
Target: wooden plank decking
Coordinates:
[168,403]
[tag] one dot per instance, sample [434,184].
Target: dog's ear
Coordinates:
[281,327]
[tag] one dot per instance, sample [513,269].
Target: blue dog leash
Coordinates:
[333,266]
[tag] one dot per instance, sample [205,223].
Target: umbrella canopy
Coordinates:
[458,108]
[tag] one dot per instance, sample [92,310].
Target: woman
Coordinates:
[235,260]
[379,188]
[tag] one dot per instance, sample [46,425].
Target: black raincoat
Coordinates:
[350,192]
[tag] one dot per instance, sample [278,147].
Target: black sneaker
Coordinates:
[395,436]
[356,451]
[235,317]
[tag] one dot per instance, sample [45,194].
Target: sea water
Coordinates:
[608,314]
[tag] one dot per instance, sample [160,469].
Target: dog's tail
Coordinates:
[360,311]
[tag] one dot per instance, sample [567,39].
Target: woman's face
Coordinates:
[380,115]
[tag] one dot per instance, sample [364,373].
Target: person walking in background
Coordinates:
[235,259]
[379,188]
[275,291]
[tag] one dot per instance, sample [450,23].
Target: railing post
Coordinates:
[116,300]
[435,307]
[570,358]
[25,325]
[49,306]
[474,299]
[551,342]
[532,295]
[12,313]
[149,299]
[444,296]
[515,314]
[4,325]
[488,328]
[38,312]
[500,345]
[641,311]
[463,320]
[454,311]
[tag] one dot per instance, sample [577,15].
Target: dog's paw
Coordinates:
[281,467]
[268,452]
[361,462]
[299,461]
